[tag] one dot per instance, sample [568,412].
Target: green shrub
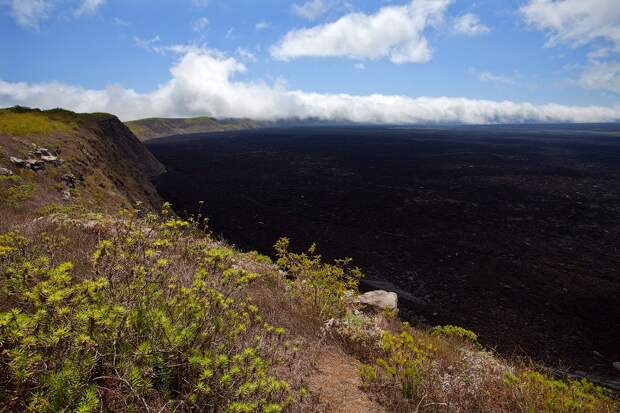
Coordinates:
[141,331]
[533,391]
[455,331]
[323,286]
[16,195]
[404,366]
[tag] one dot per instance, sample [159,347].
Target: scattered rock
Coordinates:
[5,171]
[30,163]
[41,152]
[616,365]
[35,164]
[66,194]
[54,160]
[18,161]
[379,299]
[69,180]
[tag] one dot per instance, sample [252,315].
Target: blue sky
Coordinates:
[403,61]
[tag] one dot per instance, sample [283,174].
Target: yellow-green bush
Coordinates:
[455,331]
[13,192]
[403,367]
[141,331]
[533,391]
[321,285]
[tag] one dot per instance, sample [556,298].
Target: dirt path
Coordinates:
[338,384]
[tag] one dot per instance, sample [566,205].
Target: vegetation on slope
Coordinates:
[108,166]
[141,311]
[151,128]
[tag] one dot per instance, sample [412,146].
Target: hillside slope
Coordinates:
[138,310]
[62,158]
[152,128]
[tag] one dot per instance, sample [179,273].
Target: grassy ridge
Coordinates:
[152,128]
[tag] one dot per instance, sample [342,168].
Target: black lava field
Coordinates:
[513,232]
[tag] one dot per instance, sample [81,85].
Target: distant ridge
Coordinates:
[151,128]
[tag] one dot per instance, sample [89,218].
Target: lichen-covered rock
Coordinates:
[379,299]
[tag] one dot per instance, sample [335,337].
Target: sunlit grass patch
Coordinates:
[29,123]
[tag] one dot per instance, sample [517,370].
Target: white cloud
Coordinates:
[245,54]
[30,13]
[578,23]
[311,9]
[200,24]
[395,32]
[88,7]
[601,76]
[360,66]
[261,25]
[146,44]
[203,83]
[486,76]
[575,22]
[469,24]
[120,22]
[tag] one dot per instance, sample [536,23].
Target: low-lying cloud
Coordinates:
[203,83]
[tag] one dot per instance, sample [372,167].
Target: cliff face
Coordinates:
[59,158]
[146,129]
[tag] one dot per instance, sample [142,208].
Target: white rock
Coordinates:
[379,299]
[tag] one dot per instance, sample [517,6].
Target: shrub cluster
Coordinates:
[14,192]
[455,331]
[418,371]
[161,322]
[323,286]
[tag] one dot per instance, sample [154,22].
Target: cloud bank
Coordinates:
[203,82]
[395,32]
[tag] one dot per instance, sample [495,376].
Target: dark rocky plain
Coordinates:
[511,231]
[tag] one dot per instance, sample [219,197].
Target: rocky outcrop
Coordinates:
[37,159]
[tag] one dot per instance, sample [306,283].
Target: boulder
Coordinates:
[18,161]
[54,160]
[35,164]
[41,152]
[379,299]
